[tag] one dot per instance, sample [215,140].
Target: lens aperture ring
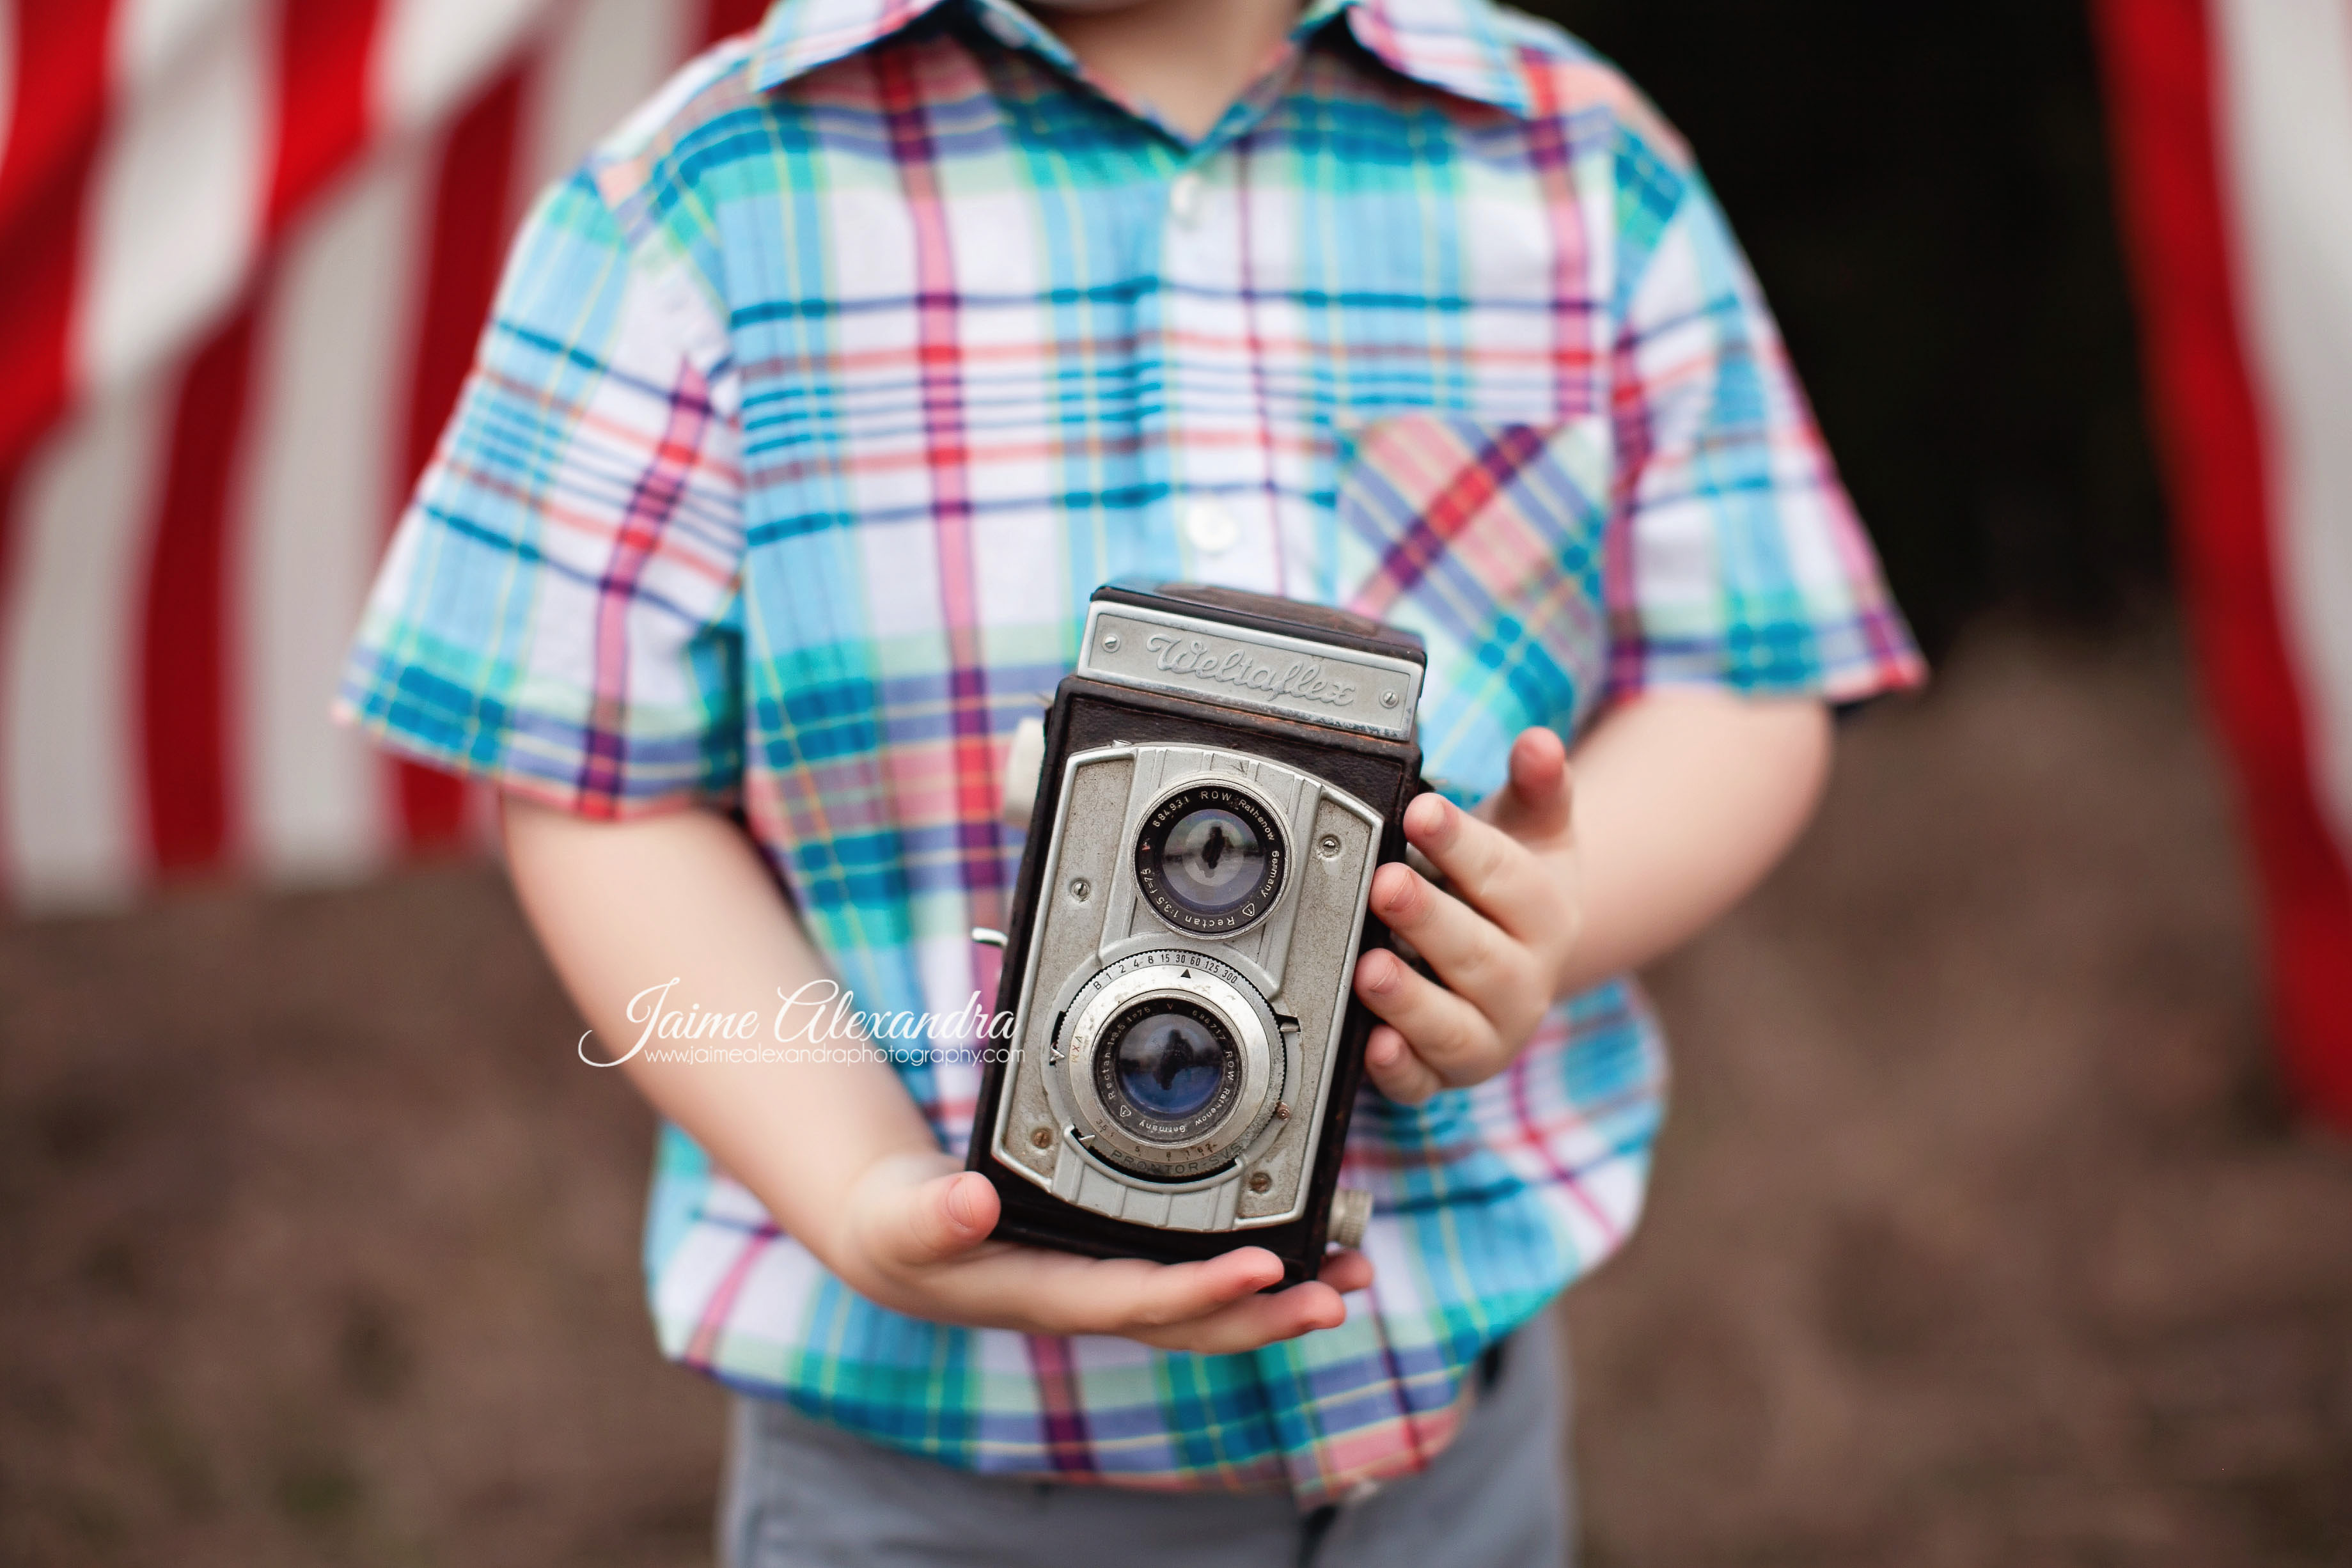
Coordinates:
[1171,1064]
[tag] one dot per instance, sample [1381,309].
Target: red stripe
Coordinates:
[1061,1405]
[604,772]
[2160,66]
[45,168]
[61,88]
[469,235]
[702,1349]
[1492,469]
[1564,1178]
[725,18]
[61,71]
[184,721]
[324,48]
[186,702]
[939,354]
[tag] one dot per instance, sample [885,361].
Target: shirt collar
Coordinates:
[1457,45]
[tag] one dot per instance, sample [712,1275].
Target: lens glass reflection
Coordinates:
[1169,1065]
[1213,860]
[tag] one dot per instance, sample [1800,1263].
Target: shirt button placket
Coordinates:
[1184,198]
[1207,528]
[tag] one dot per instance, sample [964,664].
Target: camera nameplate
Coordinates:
[1246,667]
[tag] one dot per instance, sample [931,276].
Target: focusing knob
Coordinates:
[1351,1211]
[1025,760]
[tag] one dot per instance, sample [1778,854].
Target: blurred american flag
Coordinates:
[2233,131]
[246,248]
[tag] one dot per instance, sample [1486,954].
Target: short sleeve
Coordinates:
[558,613]
[1734,556]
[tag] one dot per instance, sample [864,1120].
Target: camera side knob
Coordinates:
[1351,1211]
[1025,760]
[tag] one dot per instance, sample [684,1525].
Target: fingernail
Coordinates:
[961,1204]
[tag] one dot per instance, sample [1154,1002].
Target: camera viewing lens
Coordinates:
[1214,859]
[1210,860]
[1168,1068]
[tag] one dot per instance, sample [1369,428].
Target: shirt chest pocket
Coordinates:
[1488,538]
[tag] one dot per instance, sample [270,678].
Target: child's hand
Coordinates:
[1498,935]
[915,1239]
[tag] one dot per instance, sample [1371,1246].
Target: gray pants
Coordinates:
[802,1495]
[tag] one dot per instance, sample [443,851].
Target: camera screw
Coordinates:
[1110,643]
[1282,1110]
[1390,700]
[1327,846]
[1080,888]
[1043,1138]
[1260,1182]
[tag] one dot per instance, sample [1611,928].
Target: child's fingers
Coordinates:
[1395,1071]
[1057,1293]
[1445,1030]
[1213,1306]
[931,1221]
[1167,1294]
[1346,1269]
[1487,867]
[1258,1320]
[1536,801]
[1475,958]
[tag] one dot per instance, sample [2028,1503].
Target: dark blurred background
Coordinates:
[1923,190]
[1978,1231]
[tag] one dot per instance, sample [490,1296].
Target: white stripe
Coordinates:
[333,349]
[2286,74]
[176,202]
[431,54]
[603,58]
[150,38]
[69,639]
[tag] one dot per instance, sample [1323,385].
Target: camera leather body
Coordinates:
[1285,727]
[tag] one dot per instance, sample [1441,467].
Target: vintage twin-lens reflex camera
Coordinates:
[1221,776]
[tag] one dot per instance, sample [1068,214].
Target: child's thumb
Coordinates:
[944,1216]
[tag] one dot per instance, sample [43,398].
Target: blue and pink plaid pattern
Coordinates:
[818,401]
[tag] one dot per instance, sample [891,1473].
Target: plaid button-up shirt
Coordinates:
[817,402]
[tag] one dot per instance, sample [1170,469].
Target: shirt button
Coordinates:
[1184,197]
[1210,528]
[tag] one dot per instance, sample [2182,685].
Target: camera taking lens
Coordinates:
[1168,1068]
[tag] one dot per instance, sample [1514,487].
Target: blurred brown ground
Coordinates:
[1978,1235]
